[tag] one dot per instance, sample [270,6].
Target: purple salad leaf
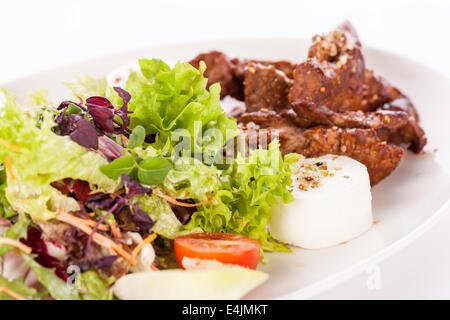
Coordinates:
[102,201]
[67,122]
[123,111]
[100,263]
[134,187]
[109,148]
[103,117]
[38,247]
[142,220]
[85,134]
[97,101]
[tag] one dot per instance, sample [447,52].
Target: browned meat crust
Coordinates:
[290,135]
[265,87]
[363,145]
[230,72]
[411,133]
[334,83]
[360,144]
[284,66]
[335,74]
[386,123]
[219,68]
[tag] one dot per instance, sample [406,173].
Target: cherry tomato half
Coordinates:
[223,247]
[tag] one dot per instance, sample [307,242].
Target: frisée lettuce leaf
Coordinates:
[174,103]
[85,86]
[248,189]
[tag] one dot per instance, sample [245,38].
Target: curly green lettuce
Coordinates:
[38,97]
[175,103]
[86,86]
[248,189]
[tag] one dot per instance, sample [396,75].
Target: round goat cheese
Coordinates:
[332,203]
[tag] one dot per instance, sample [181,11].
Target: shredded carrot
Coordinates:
[91,214]
[98,238]
[83,291]
[182,204]
[90,223]
[15,243]
[8,167]
[10,146]
[154,268]
[141,245]
[13,294]
[115,230]
[124,139]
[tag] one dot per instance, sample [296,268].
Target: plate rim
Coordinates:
[349,272]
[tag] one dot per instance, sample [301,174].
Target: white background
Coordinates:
[37,35]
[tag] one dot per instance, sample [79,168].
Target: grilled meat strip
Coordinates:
[363,145]
[335,75]
[330,103]
[334,83]
[230,73]
[265,88]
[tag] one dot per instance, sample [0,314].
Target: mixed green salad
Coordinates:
[103,184]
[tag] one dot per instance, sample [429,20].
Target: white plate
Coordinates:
[407,203]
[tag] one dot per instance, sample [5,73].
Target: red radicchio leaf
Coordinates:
[78,189]
[85,135]
[38,247]
[97,101]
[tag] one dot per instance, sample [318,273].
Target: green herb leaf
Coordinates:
[153,171]
[73,109]
[137,137]
[121,165]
